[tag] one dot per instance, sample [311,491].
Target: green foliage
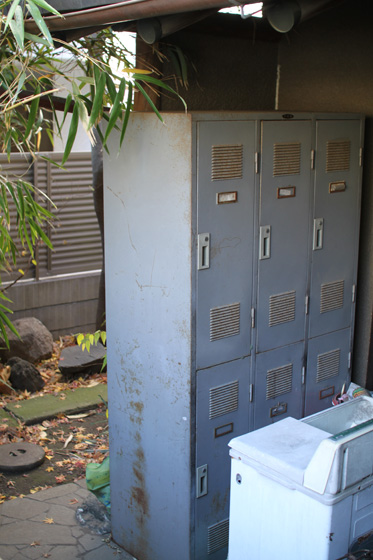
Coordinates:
[85,341]
[38,77]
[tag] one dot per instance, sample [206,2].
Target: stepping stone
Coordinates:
[75,361]
[19,457]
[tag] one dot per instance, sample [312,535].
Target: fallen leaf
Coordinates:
[61,478]
[10,484]
[67,441]
[49,469]
[76,416]
[2,498]
[35,543]
[74,501]
[48,520]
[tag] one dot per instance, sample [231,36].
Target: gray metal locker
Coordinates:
[328,369]
[225,215]
[222,413]
[278,384]
[335,225]
[232,259]
[283,232]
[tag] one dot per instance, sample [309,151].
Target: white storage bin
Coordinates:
[303,489]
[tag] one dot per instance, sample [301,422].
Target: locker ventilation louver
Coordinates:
[223,399]
[286,158]
[224,321]
[331,297]
[338,155]
[217,536]
[281,308]
[227,162]
[279,381]
[327,365]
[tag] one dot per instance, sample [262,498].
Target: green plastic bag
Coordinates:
[98,481]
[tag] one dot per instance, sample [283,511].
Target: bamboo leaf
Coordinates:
[47,7]
[98,101]
[116,109]
[36,39]
[66,107]
[159,83]
[10,15]
[136,71]
[126,114]
[35,12]
[111,88]
[32,115]
[17,27]
[154,108]
[72,133]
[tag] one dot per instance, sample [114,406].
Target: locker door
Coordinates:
[278,385]
[283,232]
[336,225]
[222,413]
[327,369]
[225,195]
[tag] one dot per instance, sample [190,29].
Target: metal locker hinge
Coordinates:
[303,375]
[361,153]
[251,393]
[307,305]
[256,160]
[353,293]
[312,159]
[201,489]
[252,318]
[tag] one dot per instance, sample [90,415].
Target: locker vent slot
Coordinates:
[279,381]
[286,158]
[331,296]
[327,365]
[223,399]
[217,536]
[227,162]
[281,308]
[338,155]
[224,321]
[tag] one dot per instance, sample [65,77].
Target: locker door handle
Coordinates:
[264,242]
[201,489]
[318,233]
[203,251]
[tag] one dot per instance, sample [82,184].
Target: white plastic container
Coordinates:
[303,489]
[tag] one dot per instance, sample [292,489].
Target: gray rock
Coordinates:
[24,376]
[75,361]
[35,342]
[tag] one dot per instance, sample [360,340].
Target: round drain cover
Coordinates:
[18,457]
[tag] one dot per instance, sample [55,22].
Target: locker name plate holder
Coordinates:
[339,186]
[286,192]
[226,197]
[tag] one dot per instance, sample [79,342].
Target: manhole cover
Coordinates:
[18,457]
